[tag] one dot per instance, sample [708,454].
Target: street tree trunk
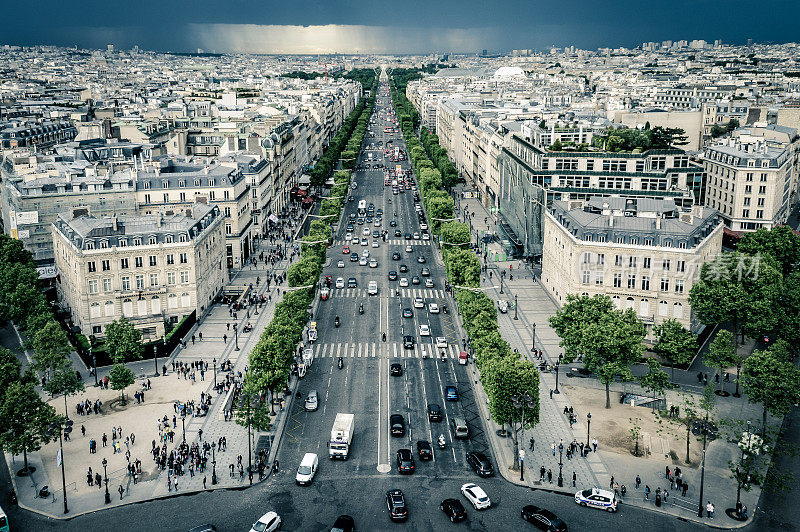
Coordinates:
[608,394]
[688,436]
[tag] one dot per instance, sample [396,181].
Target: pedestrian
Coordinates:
[574,479]
[200,433]
[699,377]
[98,480]
[684,488]
[666,496]
[647,492]
[551,393]
[667,471]
[90,477]
[710,510]
[541,474]
[105,440]
[611,483]
[532,444]
[204,482]
[550,476]
[121,490]
[83,431]
[594,444]
[176,483]
[638,481]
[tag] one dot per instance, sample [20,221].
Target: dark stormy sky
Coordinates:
[408,26]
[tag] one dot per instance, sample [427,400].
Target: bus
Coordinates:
[362,206]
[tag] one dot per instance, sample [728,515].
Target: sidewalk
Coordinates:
[534,306]
[141,419]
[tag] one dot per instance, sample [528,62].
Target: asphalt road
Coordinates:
[357,486]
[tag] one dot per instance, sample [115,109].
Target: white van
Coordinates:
[307,470]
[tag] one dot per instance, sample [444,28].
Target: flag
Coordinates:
[58,458]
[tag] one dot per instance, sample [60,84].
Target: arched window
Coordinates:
[94,310]
[172,301]
[677,311]
[617,302]
[630,303]
[127,308]
[185,300]
[155,305]
[663,308]
[109,309]
[644,307]
[141,305]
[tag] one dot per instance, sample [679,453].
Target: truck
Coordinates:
[341,436]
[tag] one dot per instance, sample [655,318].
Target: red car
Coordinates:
[346,250]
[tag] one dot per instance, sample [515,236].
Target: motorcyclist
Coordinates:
[341,362]
[384,337]
[440,440]
[336,321]
[361,308]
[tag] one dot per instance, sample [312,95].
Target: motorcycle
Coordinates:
[361,309]
[336,322]
[440,441]
[444,309]
[443,357]
[384,337]
[340,363]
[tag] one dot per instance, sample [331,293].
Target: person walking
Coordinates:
[710,510]
[647,492]
[541,474]
[574,479]
[594,444]
[553,448]
[121,490]
[684,488]
[550,476]
[638,481]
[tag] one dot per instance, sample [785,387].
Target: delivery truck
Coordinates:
[341,436]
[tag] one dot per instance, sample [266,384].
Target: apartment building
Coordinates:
[750,181]
[148,269]
[645,254]
[35,133]
[693,96]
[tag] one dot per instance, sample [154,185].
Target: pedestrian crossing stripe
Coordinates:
[375,349]
[424,293]
[390,242]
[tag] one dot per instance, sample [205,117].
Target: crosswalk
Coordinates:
[389,242]
[424,293]
[382,350]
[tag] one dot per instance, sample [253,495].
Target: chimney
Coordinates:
[611,220]
[116,223]
[658,222]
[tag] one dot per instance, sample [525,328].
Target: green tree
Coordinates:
[780,242]
[24,420]
[609,339]
[63,381]
[656,380]
[463,268]
[455,233]
[51,347]
[556,146]
[120,378]
[674,343]
[722,353]
[10,370]
[770,378]
[123,341]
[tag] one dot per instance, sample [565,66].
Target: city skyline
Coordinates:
[416,27]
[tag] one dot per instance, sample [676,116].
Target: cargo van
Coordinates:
[307,470]
[460,429]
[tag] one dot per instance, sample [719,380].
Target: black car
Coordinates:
[395,370]
[408,342]
[408,313]
[395,256]
[351,283]
[480,464]
[434,412]
[392,275]
[354,257]
[393,224]
[453,509]
[405,461]
[425,272]
[403,268]
[396,503]
[343,523]
[543,519]
[407,236]
[415,280]
[397,232]
[398,425]
[424,450]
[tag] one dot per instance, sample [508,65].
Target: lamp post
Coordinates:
[556,390]
[215,372]
[516,316]
[521,402]
[533,337]
[249,445]
[213,464]
[588,425]
[94,363]
[155,352]
[236,335]
[736,393]
[66,429]
[560,463]
[741,461]
[703,469]
[501,284]
[183,422]
[105,475]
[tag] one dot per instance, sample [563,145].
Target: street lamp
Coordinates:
[215,372]
[501,284]
[236,335]
[741,461]
[703,469]
[67,428]
[105,475]
[94,363]
[736,393]
[213,464]
[155,352]
[588,424]
[533,337]
[183,421]
[556,390]
[520,402]
[560,463]
[516,317]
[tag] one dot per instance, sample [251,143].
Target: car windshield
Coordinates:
[586,493]
[260,526]
[304,470]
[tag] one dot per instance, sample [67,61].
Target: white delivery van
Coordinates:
[307,470]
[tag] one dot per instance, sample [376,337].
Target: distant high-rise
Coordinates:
[484,53]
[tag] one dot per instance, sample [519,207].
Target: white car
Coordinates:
[348,236]
[416,236]
[419,302]
[428,282]
[409,249]
[339,282]
[423,226]
[366,231]
[476,496]
[267,523]
[364,242]
[424,330]
[362,261]
[372,288]
[404,281]
[441,342]
[597,498]
[373,263]
[375,244]
[340,264]
[433,308]
[426,236]
[365,253]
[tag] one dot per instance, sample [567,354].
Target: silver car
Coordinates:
[312,401]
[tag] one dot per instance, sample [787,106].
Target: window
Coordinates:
[109,309]
[679,286]
[590,165]
[211,182]
[631,262]
[122,243]
[153,279]
[137,241]
[227,194]
[745,213]
[598,278]
[618,260]
[762,189]
[139,281]
[181,183]
[617,280]
[152,240]
[184,276]
[759,214]
[587,258]
[664,284]
[107,284]
[197,182]
[677,311]
[126,282]
[228,229]
[94,310]
[631,281]
[89,244]
[663,308]
[585,276]
[139,261]
[168,239]
[645,282]
[646,263]
[182,196]
[212,195]
[123,264]
[601,258]
[185,300]
[93,286]
[104,244]
[748,189]
[227,212]
[644,307]
[665,265]
[680,266]
[184,258]
[749,177]
[182,237]
[763,178]
[746,202]
[760,202]
[171,278]
[170,259]
[92,266]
